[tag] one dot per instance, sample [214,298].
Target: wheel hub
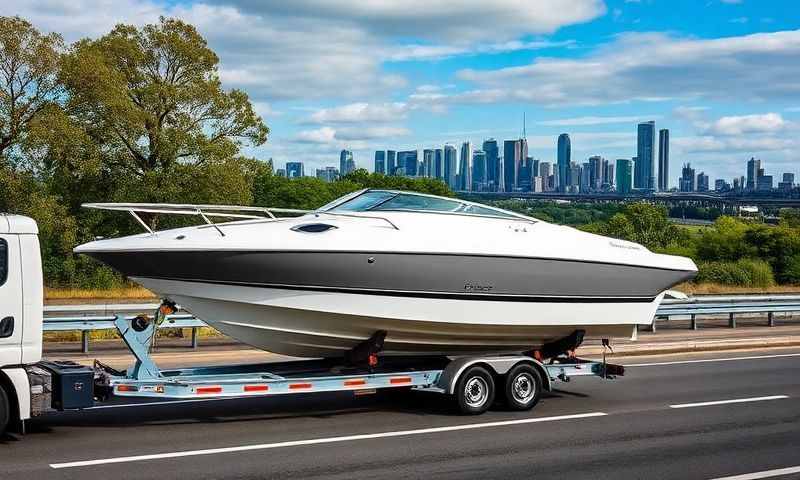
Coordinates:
[523,388]
[476,392]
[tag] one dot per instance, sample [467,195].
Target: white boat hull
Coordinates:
[327,324]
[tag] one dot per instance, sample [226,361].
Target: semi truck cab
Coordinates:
[21,307]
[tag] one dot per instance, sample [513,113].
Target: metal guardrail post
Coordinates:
[85,341]
[194,337]
[694,322]
[771,319]
[653,325]
[731,320]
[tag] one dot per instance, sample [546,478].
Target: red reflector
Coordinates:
[127,388]
[396,380]
[207,390]
[355,382]
[256,388]
[299,386]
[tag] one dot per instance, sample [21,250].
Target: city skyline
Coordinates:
[350,77]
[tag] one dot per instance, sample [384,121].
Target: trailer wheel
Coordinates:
[523,387]
[5,410]
[474,391]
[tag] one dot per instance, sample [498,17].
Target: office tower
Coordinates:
[346,163]
[328,174]
[764,183]
[586,178]
[564,160]
[595,173]
[525,177]
[465,167]
[702,182]
[479,170]
[720,185]
[788,182]
[501,185]
[753,169]
[686,183]
[737,184]
[380,161]
[281,172]
[391,162]
[492,160]
[624,178]
[438,163]
[574,175]
[294,169]
[643,175]
[450,166]
[513,151]
[427,163]
[608,175]
[663,160]
[407,163]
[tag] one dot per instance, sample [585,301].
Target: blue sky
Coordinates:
[722,75]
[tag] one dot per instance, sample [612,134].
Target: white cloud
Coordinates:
[591,120]
[650,67]
[742,124]
[440,52]
[361,112]
[739,20]
[732,2]
[746,145]
[347,135]
[463,22]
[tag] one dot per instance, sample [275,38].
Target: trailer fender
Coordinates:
[497,365]
[20,395]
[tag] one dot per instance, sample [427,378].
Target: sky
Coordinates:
[722,75]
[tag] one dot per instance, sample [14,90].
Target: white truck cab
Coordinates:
[21,306]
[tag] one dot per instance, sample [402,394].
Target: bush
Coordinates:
[745,273]
[791,272]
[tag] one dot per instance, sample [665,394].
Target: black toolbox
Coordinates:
[73,384]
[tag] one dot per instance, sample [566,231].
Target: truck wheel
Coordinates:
[474,391]
[523,387]
[5,410]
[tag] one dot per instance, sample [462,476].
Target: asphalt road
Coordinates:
[589,428]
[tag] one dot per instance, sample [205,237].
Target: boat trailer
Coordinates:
[473,381]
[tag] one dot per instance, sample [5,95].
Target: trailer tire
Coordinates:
[5,410]
[475,391]
[523,387]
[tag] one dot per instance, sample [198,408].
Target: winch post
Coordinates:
[138,334]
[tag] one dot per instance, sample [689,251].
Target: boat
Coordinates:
[437,275]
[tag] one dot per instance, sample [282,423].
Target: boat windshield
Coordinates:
[381,200]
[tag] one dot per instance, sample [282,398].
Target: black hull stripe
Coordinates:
[422,294]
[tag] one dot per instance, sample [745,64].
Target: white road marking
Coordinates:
[725,402]
[317,441]
[709,360]
[765,474]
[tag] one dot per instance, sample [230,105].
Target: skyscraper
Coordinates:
[643,175]
[408,162]
[492,160]
[391,162]
[294,169]
[465,167]
[427,162]
[702,182]
[753,169]
[513,153]
[380,161]
[438,163]
[687,178]
[564,161]
[595,173]
[624,179]
[328,174]
[450,166]
[346,163]
[663,160]
[479,170]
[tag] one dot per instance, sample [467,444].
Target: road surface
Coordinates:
[719,417]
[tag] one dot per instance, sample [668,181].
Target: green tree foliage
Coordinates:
[645,224]
[29,64]
[745,272]
[152,97]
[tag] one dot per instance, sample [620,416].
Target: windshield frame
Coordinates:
[501,214]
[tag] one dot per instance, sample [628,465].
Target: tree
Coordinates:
[29,63]
[152,98]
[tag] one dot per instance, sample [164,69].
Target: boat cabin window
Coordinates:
[379,200]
